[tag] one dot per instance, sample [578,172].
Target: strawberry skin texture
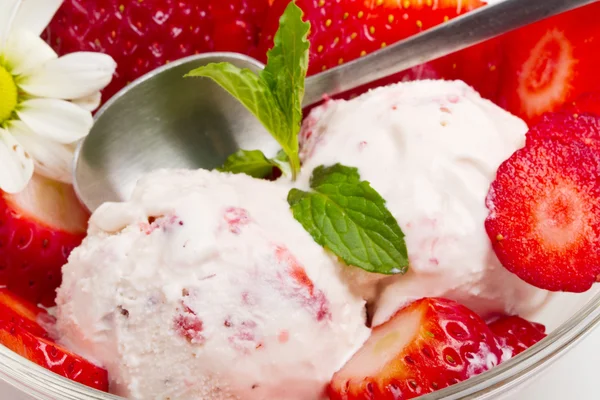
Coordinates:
[551,63]
[517,334]
[24,329]
[544,215]
[142,35]
[38,229]
[428,345]
[344,30]
[32,255]
[52,357]
[28,316]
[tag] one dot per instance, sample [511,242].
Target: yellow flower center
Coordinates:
[8,95]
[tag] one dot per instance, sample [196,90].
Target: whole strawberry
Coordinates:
[142,35]
[38,229]
[344,30]
[429,345]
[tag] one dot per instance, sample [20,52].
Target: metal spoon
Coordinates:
[165,121]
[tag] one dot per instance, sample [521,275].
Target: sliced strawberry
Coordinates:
[143,35]
[428,345]
[544,215]
[38,229]
[564,126]
[33,319]
[51,356]
[344,30]
[551,63]
[517,334]
[586,103]
[24,329]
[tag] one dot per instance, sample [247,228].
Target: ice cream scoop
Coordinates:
[163,120]
[431,148]
[203,286]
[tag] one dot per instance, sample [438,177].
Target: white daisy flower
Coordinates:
[46,102]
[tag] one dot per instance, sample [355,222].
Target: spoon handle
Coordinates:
[457,34]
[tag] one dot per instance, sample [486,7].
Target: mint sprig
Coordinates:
[275,95]
[249,162]
[348,217]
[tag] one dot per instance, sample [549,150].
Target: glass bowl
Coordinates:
[569,317]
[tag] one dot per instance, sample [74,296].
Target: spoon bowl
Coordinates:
[165,121]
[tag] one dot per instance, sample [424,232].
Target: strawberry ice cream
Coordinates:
[203,286]
[431,149]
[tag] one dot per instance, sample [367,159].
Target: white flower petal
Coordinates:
[35,15]
[57,120]
[8,12]
[53,160]
[16,166]
[70,77]
[89,103]
[26,51]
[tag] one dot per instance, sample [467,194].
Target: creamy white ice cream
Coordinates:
[202,287]
[431,149]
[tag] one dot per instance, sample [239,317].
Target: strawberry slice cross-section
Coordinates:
[544,214]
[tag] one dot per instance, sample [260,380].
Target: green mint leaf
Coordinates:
[249,89]
[285,73]
[348,217]
[249,162]
[275,95]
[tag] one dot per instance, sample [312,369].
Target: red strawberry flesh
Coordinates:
[566,127]
[551,63]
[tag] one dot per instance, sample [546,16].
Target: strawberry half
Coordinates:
[517,334]
[33,319]
[344,30]
[544,215]
[52,357]
[144,35]
[23,330]
[428,345]
[551,63]
[38,229]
